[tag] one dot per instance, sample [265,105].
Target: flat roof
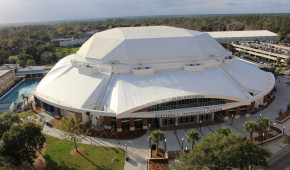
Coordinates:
[253,33]
[2,72]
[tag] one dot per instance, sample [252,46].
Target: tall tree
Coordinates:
[6,121]
[22,141]
[156,136]
[72,129]
[251,126]
[191,137]
[222,152]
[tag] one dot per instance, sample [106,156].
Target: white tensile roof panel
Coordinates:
[129,45]
[249,76]
[129,91]
[71,88]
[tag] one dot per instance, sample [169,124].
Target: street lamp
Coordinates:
[149,127]
[283,130]
[126,153]
[165,145]
[200,122]
[147,162]
[232,119]
[260,117]
[263,137]
[182,143]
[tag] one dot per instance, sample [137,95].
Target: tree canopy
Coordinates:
[72,129]
[6,121]
[22,141]
[222,152]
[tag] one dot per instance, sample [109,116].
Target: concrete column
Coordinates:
[132,124]
[248,111]
[57,112]
[212,117]
[43,105]
[237,112]
[227,114]
[107,122]
[119,125]
[265,99]
[253,105]
[145,123]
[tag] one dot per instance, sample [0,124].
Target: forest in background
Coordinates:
[31,42]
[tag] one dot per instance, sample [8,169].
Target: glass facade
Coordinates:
[186,103]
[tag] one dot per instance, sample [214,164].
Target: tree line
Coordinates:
[17,40]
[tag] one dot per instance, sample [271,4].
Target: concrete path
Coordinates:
[138,148]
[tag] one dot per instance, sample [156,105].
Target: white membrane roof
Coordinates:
[79,81]
[141,44]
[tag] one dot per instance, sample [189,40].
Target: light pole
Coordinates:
[147,162]
[149,127]
[126,153]
[263,137]
[232,119]
[283,130]
[165,145]
[200,122]
[260,117]
[182,143]
[90,137]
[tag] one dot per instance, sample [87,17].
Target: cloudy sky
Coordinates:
[19,11]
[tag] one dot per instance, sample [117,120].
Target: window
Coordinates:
[186,103]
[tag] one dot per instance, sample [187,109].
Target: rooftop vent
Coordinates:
[196,67]
[143,71]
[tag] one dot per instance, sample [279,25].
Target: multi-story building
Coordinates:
[7,80]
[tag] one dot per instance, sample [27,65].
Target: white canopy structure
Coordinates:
[121,71]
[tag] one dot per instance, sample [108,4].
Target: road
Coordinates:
[280,161]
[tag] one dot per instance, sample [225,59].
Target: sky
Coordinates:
[21,11]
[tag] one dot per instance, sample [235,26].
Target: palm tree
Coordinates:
[224,130]
[191,137]
[264,124]
[251,126]
[156,136]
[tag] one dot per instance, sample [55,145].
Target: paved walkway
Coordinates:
[138,148]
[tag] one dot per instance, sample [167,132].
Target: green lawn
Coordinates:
[67,51]
[25,114]
[57,156]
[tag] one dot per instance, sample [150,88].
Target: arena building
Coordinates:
[158,75]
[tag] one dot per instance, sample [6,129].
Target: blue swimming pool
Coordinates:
[26,88]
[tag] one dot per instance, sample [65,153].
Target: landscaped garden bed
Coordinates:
[285,116]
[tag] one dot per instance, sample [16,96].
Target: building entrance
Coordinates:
[168,121]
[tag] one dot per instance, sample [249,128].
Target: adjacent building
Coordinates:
[7,80]
[232,36]
[158,75]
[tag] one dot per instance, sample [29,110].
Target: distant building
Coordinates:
[84,36]
[32,72]
[9,67]
[7,80]
[57,41]
[231,36]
